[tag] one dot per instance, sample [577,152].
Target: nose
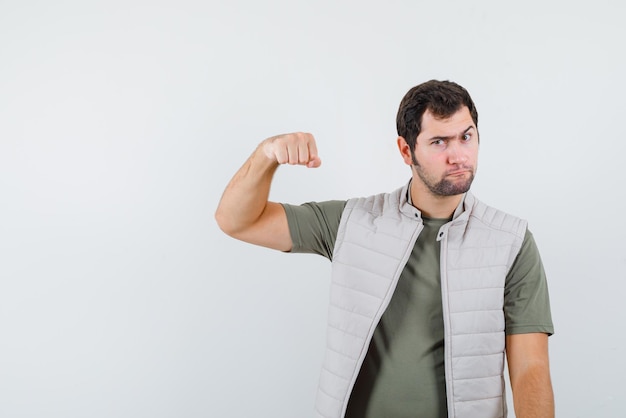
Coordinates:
[456,154]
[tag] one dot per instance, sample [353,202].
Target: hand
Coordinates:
[297,148]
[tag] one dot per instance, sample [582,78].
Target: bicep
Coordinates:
[270,230]
[313,226]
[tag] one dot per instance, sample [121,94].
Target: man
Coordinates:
[430,287]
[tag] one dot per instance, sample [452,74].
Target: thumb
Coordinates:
[314,162]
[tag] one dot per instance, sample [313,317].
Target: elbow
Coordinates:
[229,224]
[224,223]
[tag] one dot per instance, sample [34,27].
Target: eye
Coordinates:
[467,137]
[438,142]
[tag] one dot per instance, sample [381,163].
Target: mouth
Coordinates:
[457,173]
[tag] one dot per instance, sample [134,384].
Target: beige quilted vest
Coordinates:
[375,238]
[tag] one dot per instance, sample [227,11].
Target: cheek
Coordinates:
[471,153]
[474,156]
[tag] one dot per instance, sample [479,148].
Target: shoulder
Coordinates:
[492,218]
[376,204]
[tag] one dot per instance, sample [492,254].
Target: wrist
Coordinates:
[262,158]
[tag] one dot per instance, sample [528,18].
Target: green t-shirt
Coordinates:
[403,372]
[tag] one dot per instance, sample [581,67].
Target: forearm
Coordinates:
[532,394]
[244,211]
[245,198]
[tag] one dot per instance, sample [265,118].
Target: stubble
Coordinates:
[444,186]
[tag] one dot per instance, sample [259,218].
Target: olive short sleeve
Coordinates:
[313,226]
[526,299]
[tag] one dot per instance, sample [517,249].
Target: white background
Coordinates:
[121,123]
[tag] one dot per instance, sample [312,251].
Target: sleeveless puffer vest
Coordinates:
[375,239]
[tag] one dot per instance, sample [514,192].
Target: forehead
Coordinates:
[455,124]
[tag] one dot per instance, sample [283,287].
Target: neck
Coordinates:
[431,205]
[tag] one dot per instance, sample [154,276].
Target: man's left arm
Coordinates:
[528,325]
[529,371]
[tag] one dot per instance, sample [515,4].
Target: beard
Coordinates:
[443,186]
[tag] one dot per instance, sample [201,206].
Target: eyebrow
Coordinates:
[446,138]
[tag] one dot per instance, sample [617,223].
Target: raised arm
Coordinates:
[244,211]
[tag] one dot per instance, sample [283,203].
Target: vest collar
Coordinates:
[461,213]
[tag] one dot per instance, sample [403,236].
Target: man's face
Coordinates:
[446,153]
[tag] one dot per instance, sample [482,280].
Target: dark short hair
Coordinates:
[441,98]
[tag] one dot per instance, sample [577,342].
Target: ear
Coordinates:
[405,151]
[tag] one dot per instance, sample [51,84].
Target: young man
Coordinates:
[430,287]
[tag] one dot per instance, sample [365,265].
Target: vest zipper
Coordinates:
[442,237]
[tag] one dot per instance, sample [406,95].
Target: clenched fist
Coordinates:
[296,148]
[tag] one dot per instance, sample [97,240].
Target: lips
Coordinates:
[458,172]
